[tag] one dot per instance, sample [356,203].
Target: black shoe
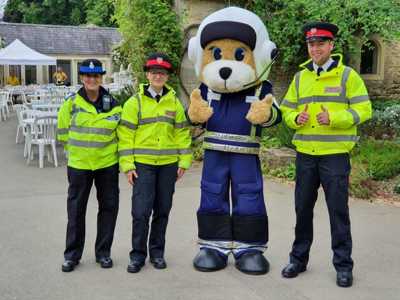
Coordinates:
[344,279]
[209,260]
[135,266]
[292,270]
[105,262]
[69,265]
[252,263]
[158,262]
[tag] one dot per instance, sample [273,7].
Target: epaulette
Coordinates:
[70,95]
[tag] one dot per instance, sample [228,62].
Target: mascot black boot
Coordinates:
[209,260]
[252,263]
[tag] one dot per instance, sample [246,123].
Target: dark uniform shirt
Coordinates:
[98,104]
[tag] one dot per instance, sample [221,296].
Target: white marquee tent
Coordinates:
[17,53]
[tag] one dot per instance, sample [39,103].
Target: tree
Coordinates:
[100,12]
[147,26]
[62,12]
[357,20]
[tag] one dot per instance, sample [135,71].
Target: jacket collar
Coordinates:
[166,90]
[338,58]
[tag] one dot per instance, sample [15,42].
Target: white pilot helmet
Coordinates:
[233,23]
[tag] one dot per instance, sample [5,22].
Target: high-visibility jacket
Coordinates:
[90,137]
[342,92]
[155,133]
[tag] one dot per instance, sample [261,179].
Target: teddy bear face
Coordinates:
[227,65]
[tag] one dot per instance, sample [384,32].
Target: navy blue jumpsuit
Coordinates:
[231,165]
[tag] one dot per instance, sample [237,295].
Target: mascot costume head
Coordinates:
[231,50]
[232,54]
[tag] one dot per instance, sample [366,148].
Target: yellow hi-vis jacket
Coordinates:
[342,92]
[90,137]
[155,133]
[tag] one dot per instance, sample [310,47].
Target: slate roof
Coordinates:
[59,39]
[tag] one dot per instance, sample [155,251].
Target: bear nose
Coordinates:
[225,73]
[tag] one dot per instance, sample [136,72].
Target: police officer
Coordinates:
[154,148]
[324,104]
[87,124]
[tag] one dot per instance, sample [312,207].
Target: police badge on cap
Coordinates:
[158,61]
[319,31]
[91,66]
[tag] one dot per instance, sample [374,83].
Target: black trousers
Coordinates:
[80,184]
[332,171]
[152,194]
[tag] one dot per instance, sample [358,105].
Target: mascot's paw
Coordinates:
[260,111]
[209,260]
[199,111]
[252,263]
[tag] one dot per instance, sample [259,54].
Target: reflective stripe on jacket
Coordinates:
[342,92]
[89,137]
[152,132]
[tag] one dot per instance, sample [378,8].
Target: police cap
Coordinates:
[91,66]
[320,31]
[158,60]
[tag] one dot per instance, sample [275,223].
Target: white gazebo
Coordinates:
[17,53]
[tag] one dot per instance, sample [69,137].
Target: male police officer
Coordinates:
[324,104]
[87,123]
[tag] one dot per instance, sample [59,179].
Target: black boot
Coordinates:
[209,260]
[252,263]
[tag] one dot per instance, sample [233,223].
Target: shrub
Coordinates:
[280,135]
[385,121]
[380,158]
[124,94]
[148,26]
[287,172]
[397,188]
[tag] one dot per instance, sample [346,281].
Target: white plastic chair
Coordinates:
[21,126]
[44,133]
[4,112]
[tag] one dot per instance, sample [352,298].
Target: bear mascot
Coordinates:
[232,55]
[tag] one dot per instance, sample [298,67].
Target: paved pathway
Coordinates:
[32,236]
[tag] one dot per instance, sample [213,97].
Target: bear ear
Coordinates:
[270,50]
[192,50]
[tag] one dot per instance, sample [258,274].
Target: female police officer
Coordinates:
[87,124]
[154,148]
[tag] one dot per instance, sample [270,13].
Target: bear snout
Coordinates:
[225,73]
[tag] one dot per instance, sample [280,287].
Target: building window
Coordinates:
[369,58]
[30,75]
[65,66]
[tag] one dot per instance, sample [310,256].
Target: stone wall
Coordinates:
[388,86]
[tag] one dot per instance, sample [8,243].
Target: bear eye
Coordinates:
[217,53]
[239,54]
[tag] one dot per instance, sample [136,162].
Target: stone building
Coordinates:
[70,45]
[379,65]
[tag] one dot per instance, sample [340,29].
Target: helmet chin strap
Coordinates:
[255,82]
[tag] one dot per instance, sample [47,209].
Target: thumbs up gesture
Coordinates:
[260,110]
[303,117]
[323,117]
[199,111]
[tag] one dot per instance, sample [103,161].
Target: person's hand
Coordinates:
[303,117]
[323,117]
[131,176]
[180,173]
